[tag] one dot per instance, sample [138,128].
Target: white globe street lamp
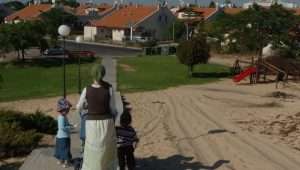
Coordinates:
[249,25]
[79,40]
[64,31]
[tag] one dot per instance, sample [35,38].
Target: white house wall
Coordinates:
[90,33]
[118,34]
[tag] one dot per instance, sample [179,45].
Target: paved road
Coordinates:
[104,50]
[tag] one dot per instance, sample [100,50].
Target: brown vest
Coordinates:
[98,103]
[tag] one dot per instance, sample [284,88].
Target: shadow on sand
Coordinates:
[212,75]
[176,162]
[11,166]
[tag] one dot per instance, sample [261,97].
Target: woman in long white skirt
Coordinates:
[100,150]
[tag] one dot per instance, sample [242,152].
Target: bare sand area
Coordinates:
[217,126]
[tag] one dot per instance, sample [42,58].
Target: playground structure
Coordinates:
[282,68]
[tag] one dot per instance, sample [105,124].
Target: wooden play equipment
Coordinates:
[282,68]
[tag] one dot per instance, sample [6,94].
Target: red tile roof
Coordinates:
[125,16]
[205,12]
[81,10]
[297,11]
[202,12]
[31,12]
[232,11]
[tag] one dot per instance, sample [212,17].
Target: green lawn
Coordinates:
[160,72]
[40,79]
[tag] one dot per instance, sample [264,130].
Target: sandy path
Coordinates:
[193,127]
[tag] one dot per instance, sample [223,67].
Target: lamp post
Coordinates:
[79,39]
[64,31]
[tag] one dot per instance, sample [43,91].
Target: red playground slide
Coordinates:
[244,74]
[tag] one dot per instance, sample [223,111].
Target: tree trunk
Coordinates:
[23,55]
[191,70]
[18,53]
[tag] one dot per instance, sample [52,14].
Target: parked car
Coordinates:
[55,51]
[141,39]
[89,54]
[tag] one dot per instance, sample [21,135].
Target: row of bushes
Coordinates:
[160,50]
[21,133]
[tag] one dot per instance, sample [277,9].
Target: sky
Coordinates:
[201,2]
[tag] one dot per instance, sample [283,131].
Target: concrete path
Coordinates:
[42,159]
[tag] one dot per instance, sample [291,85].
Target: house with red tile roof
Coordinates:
[296,11]
[232,11]
[4,12]
[129,22]
[197,13]
[29,13]
[88,12]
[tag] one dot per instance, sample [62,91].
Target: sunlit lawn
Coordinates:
[40,79]
[160,72]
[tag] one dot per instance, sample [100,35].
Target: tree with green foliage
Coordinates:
[21,36]
[15,5]
[53,19]
[2,16]
[194,51]
[70,3]
[5,44]
[1,81]
[255,27]
[258,26]
[212,4]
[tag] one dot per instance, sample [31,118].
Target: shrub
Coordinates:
[20,133]
[15,141]
[37,121]
[42,123]
[192,52]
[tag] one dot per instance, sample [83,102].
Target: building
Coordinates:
[232,11]
[268,3]
[29,13]
[197,13]
[4,12]
[130,22]
[88,12]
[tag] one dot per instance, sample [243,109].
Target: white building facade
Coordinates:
[268,3]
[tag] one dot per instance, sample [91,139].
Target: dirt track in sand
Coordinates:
[207,127]
[218,126]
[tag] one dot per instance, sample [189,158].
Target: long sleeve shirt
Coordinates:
[81,105]
[63,127]
[126,136]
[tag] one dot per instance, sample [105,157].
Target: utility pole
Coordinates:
[187,31]
[173,35]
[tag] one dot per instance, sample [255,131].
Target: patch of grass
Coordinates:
[40,79]
[160,72]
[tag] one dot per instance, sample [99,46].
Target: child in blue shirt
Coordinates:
[63,142]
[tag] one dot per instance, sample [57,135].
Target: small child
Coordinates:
[63,142]
[126,143]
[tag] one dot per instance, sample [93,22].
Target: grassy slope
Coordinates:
[159,72]
[40,81]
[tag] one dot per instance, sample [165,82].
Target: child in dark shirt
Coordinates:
[127,141]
